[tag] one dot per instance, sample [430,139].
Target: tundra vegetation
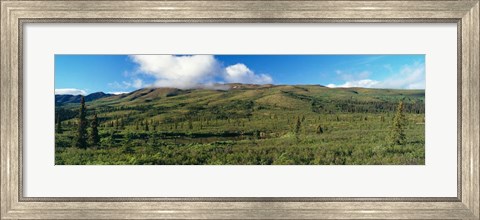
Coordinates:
[246,124]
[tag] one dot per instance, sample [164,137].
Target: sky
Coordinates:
[85,74]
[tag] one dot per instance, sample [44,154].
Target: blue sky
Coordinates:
[85,74]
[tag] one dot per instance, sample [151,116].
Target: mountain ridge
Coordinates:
[67,98]
[260,91]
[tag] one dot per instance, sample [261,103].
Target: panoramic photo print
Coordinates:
[239,109]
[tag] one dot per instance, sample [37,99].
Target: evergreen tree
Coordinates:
[59,125]
[319,129]
[94,137]
[397,135]
[82,136]
[146,126]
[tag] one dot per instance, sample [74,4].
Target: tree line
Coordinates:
[87,133]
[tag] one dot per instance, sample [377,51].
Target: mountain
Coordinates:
[284,96]
[287,96]
[63,99]
[238,99]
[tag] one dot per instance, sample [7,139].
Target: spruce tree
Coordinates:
[397,135]
[94,138]
[82,136]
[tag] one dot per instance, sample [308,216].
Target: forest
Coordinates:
[246,124]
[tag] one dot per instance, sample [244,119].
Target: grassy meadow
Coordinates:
[246,125]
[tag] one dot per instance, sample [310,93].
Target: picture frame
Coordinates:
[14,14]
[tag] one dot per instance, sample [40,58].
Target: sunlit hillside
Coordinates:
[245,124]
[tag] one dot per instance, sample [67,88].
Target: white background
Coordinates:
[435,179]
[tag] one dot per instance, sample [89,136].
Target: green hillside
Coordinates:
[247,124]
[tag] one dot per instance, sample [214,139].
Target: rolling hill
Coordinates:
[268,95]
[334,126]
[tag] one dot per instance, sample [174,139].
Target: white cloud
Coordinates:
[70,91]
[193,71]
[117,93]
[178,71]
[239,73]
[409,77]
[365,83]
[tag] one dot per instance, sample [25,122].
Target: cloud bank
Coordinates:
[409,77]
[239,73]
[193,71]
[70,91]
[118,93]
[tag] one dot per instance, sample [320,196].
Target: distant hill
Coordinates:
[275,95]
[64,99]
[235,98]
